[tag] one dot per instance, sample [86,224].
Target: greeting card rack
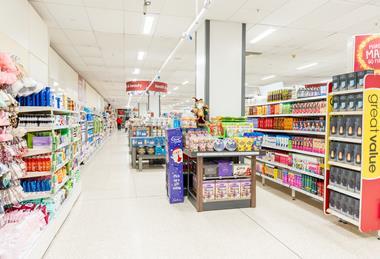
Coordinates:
[352,185]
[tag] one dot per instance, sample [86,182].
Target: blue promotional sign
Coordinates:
[174,165]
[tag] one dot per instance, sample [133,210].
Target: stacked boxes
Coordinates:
[226,190]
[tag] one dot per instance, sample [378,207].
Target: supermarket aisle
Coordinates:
[123,213]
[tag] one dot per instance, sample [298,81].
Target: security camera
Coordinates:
[145,7]
[187,36]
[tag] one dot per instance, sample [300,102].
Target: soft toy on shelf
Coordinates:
[200,110]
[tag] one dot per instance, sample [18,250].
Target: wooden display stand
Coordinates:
[196,198]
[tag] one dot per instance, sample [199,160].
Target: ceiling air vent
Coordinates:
[252,53]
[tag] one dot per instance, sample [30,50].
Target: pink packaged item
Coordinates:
[234,189]
[221,190]
[208,190]
[245,189]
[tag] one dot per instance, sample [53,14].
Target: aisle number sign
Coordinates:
[367,53]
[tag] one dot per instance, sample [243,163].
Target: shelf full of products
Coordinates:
[351,182]
[147,141]
[293,123]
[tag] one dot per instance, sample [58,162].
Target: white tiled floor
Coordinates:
[123,213]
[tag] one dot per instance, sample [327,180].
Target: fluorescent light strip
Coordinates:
[307,66]
[262,35]
[185,82]
[268,77]
[136,71]
[148,24]
[140,55]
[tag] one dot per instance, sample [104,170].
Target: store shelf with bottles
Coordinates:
[351,183]
[294,132]
[299,173]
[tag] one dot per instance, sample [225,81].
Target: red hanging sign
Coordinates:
[367,53]
[133,86]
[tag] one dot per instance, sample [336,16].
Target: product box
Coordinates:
[174,166]
[352,80]
[41,142]
[241,170]
[210,170]
[234,189]
[335,82]
[208,190]
[343,82]
[245,189]
[360,77]
[224,168]
[221,190]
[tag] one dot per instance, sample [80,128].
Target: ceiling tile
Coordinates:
[171,26]
[93,61]
[57,36]
[324,14]
[81,37]
[104,20]
[184,8]
[108,4]
[291,11]
[66,2]
[88,51]
[137,6]
[43,11]
[134,23]
[223,9]
[70,17]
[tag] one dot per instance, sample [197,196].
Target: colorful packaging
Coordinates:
[234,189]
[245,189]
[174,166]
[241,170]
[208,190]
[221,190]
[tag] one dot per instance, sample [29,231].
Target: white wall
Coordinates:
[24,34]
[63,74]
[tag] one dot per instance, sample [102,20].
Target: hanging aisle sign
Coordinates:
[139,86]
[370,184]
[367,53]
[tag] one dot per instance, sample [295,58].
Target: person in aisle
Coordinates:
[119,121]
[126,124]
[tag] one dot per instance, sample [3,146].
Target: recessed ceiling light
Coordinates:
[185,82]
[163,96]
[307,66]
[136,71]
[262,35]
[148,24]
[55,83]
[268,77]
[175,88]
[140,55]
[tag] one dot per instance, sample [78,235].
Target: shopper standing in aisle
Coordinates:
[119,121]
[126,124]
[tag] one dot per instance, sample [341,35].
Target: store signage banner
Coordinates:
[135,86]
[367,53]
[174,165]
[370,184]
